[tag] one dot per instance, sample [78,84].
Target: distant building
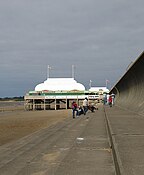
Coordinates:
[60,84]
[56,93]
[99,90]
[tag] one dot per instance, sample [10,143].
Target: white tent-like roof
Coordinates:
[60,84]
[98,89]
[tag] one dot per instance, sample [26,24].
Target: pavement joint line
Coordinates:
[127,134]
[116,158]
[94,149]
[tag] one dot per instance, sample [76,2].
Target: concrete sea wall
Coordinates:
[129,89]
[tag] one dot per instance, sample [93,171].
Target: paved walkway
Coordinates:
[73,147]
[128,135]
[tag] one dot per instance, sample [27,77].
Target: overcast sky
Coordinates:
[100,37]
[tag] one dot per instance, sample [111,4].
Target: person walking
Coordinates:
[104,99]
[113,97]
[74,109]
[85,105]
[110,101]
[108,95]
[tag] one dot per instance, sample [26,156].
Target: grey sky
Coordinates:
[99,37]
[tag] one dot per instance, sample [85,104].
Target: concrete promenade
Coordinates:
[77,146]
[80,146]
[127,129]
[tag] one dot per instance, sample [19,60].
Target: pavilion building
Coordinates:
[55,93]
[58,93]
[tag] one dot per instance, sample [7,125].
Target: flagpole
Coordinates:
[107,83]
[48,71]
[73,71]
[90,83]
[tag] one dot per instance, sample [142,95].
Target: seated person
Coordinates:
[74,109]
[80,111]
[92,108]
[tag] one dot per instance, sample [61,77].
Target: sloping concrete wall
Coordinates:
[130,88]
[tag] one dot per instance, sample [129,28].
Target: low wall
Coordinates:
[130,88]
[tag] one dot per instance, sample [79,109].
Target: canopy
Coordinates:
[60,84]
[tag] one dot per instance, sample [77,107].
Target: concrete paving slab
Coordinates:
[76,146]
[128,132]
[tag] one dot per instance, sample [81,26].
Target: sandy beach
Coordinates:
[15,124]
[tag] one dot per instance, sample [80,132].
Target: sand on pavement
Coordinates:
[17,124]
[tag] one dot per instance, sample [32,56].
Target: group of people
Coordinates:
[81,109]
[109,99]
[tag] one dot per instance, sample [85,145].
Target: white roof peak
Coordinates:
[55,84]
